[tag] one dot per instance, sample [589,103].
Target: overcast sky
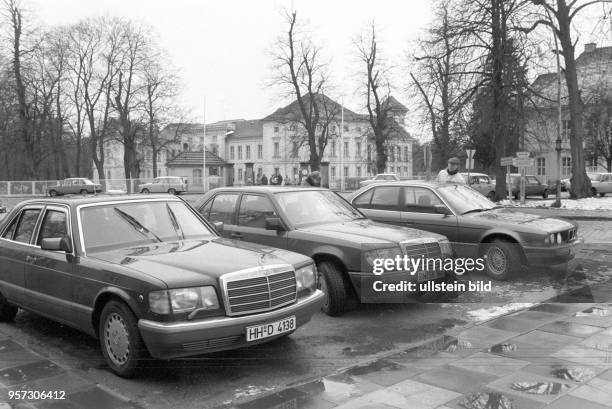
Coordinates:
[222,48]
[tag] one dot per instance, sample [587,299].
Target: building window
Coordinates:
[346,171]
[197,177]
[358,153]
[405,170]
[406,154]
[185,147]
[232,153]
[346,150]
[214,139]
[248,152]
[332,171]
[392,169]
[277,171]
[240,173]
[346,128]
[399,153]
[239,152]
[566,166]
[259,171]
[213,171]
[358,171]
[276,149]
[276,129]
[333,149]
[566,129]
[369,153]
[294,149]
[259,151]
[392,151]
[541,166]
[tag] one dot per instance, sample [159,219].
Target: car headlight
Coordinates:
[446,248]
[306,278]
[182,300]
[383,253]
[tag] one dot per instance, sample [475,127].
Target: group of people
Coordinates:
[313,179]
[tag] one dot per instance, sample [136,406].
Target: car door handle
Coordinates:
[236,235]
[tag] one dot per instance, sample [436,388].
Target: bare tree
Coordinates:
[561,19]
[377,90]
[299,69]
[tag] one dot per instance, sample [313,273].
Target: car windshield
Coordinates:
[112,226]
[87,182]
[316,206]
[464,199]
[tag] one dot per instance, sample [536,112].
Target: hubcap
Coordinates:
[496,260]
[116,339]
[322,284]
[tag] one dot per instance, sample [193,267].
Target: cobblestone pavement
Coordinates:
[595,231]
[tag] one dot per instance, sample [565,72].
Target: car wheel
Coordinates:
[502,259]
[491,196]
[545,194]
[172,191]
[83,191]
[52,193]
[145,191]
[334,287]
[120,339]
[7,310]
[593,191]
[602,194]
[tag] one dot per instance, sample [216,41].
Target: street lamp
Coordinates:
[558,186]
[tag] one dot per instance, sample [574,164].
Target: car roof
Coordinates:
[417,182]
[76,200]
[474,174]
[266,188]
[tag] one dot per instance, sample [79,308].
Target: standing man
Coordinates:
[451,173]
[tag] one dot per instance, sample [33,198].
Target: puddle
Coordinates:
[486,400]
[593,312]
[376,366]
[577,374]
[540,388]
[503,348]
[367,349]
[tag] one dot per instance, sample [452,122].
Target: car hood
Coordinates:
[365,231]
[517,218]
[198,262]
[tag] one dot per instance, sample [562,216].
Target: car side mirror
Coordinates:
[57,244]
[441,209]
[218,226]
[274,223]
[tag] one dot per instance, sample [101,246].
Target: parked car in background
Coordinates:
[2,209]
[74,186]
[601,183]
[148,275]
[164,184]
[477,227]
[381,177]
[533,186]
[321,224]
[482,183]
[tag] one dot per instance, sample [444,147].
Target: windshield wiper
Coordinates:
[177,227]
[136,224]
[474,211]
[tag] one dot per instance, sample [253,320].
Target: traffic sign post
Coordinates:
[507,162]
[469,162]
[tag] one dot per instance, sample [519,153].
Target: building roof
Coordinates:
[292,111]
[395,105]
[596,55]
[248,129]
[193,159]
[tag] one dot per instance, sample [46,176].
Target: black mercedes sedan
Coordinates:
[505,238]
[149,275]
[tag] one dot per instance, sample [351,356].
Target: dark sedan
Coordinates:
[149,275]
[477,227]
[321,224]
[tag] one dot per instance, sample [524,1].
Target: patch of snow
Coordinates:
[250,391]
[589,203]
[488,313]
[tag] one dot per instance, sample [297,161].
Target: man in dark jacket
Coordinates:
[312,180]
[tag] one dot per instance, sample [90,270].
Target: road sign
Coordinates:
[522,154]
[523,162]
[506,161]
[469,162]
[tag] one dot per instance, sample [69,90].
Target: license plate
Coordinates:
[262,331]
[429,275]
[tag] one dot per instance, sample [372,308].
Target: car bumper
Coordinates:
[173,340]
[550,256]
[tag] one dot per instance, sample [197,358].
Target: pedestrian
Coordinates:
[279,179]
[451,173]
[264,179]
[274,179]
[287,180]
[312,180]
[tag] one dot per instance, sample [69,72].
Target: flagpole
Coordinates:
[342,148]
[204,151]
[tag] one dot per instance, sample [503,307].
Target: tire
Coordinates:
[335,288]
[545,194]
[502,259]
[7,310]
[593,191]
[491,196]
[602,194]
[516,196]
[52,193]
[83,191]
[172,191]
[145,191]
[118,324]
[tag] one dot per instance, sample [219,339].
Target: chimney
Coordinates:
[589,47]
